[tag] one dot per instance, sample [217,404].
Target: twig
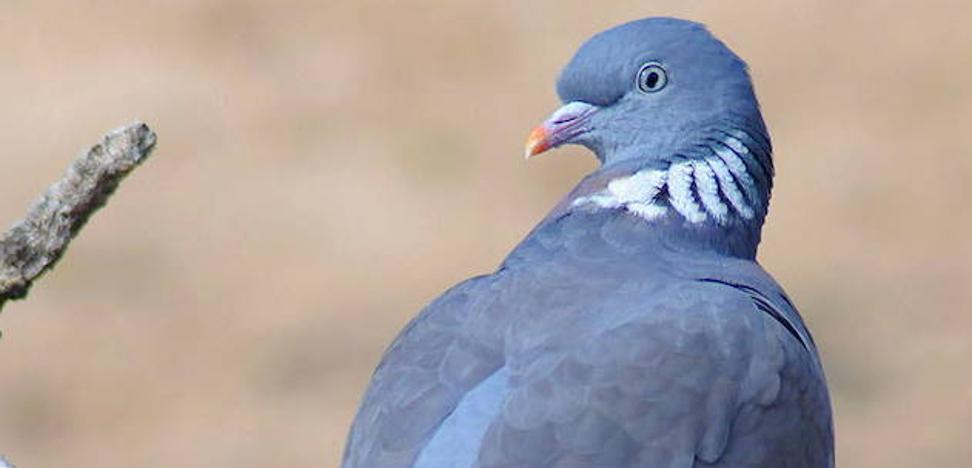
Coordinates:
[35,243]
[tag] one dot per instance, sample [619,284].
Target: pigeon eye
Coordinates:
[652,78]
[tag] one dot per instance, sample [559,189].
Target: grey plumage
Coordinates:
[632,327]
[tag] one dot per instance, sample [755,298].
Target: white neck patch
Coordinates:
[716,186]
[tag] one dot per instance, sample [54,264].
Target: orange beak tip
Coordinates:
[537,142]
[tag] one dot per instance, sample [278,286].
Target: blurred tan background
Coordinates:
[324,169]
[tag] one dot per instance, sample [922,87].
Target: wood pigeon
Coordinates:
[633,326]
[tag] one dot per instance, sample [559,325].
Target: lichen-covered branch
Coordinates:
[35,243]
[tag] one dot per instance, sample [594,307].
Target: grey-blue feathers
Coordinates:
[706,82]
[633,326]
[604,67]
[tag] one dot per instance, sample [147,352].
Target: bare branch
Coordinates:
[35,243]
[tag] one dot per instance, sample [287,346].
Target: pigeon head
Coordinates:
[671,114]
[644,89]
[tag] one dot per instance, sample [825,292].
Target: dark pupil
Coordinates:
[651,80]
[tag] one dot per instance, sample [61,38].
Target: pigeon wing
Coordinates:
[427,369]
[701,376]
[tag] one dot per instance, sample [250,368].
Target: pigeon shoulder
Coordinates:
[692,374]
[433,361]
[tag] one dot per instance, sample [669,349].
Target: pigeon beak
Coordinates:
[563,127]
